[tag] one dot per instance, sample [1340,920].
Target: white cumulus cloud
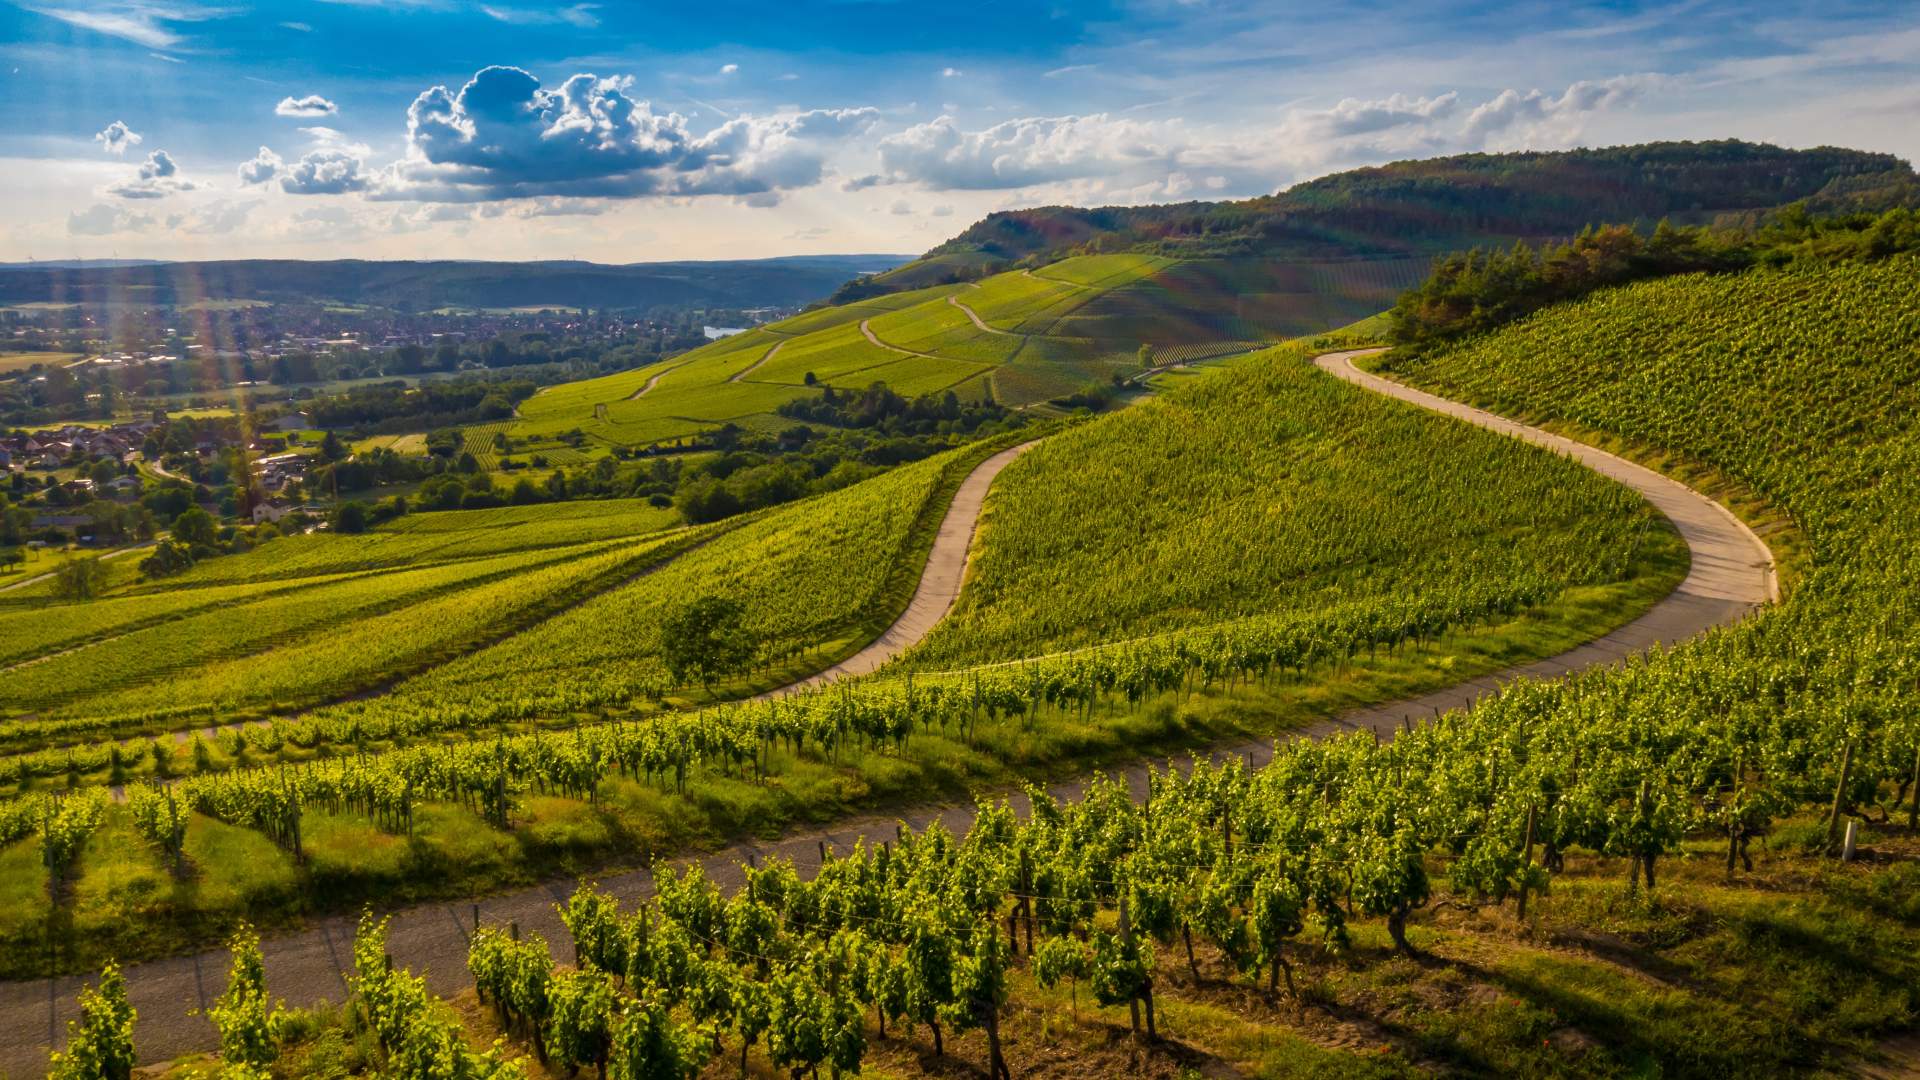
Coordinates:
[263,167]
[1025,152]
[117,137]
[157,177]
[1353,116]
[329,170]
[1534,117]
[504,136]
[308,107]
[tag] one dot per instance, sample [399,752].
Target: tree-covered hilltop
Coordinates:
[1476,290]
[1420,208]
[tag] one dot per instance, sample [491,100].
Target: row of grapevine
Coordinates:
[1267,488]
[287,647]
[879,715]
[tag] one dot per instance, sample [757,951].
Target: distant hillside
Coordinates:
[1421,207]
[1329,251]
[420,286]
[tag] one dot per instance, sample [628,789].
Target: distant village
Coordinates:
[66,461]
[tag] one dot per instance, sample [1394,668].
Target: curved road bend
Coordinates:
[978,321]
[940,581]
[746,371]
[874,339]
[1732,573]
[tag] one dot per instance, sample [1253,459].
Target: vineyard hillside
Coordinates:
[1018,339]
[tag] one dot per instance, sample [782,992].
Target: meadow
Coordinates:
[20,361]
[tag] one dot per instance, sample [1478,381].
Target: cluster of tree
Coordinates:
[1471,291]
[747,470]
[880,408]
[104,520]
[374,468]
[193,536]
[439,403]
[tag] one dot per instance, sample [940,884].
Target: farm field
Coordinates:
[283,648]
[20,361]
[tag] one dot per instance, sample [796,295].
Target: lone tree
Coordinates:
[350,517]
[195,528]
[81,579]
[706,641]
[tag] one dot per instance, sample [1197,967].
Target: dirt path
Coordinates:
[645,388]
[940,581]
[744,372]
[114,554]
[978,321]
[868,331]
[1730,563]
[1731,575]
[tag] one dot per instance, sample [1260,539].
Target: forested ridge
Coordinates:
[1439,204]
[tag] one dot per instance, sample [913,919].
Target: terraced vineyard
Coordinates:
[1243,878]
[291,647]
[816,578]
[919,342]
[1271,489]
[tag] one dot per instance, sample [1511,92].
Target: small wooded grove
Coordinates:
[1473,291]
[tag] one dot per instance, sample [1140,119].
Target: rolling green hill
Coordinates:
[1330,251]
[1031,306]
[1018,338]
[1413,209]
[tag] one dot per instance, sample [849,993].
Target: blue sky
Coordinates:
[724,129]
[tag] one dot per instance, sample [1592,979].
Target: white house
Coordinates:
[271,511]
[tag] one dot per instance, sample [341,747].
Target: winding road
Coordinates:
[978,321]
[1732,573]
[750,369]
[940,582]
[874,339]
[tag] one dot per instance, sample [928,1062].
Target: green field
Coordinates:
[1053,333]
[286,648]
[20,361]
